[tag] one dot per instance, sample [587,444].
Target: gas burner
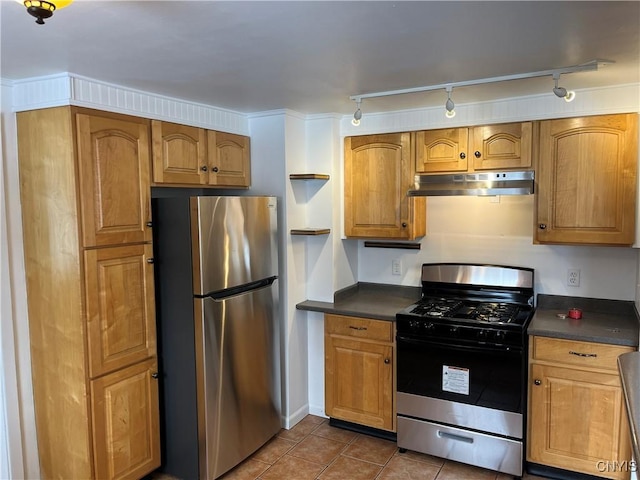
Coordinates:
[438,307]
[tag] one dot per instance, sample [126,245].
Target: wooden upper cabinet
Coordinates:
[184,155]
[120,307]
[126,422]
[113,166]
[179,153]
[229,159]
[490,147]
[502,146]
[378,173]
[444,150]
[586,180]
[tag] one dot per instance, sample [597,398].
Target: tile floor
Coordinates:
[313,449]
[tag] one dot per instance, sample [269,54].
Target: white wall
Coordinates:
[15,375]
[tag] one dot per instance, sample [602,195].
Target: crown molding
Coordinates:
[71,89]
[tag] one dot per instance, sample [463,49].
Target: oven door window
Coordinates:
[477,375]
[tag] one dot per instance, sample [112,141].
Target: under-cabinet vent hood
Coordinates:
[479,183]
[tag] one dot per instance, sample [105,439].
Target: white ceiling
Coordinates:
[311,56]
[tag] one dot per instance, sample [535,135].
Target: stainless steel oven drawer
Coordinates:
[486,451]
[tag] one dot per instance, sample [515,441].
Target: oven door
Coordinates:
[470,386]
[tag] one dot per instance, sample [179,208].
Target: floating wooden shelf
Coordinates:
[309,176]
[310,231]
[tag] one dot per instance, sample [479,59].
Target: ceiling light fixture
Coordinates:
[43,9]
[358,113]
[584,67]
[561,91]
[450,105]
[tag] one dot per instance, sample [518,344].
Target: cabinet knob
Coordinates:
[154,375]
[150,260]
[477,154]
[537,382]
[149,224]
[404,224]
[204,168]
[542,226]
[215,169]
[463,155]
[387,361]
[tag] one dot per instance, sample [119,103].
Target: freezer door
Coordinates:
[238,377]
[234,241]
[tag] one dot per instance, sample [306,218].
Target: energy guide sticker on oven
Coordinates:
[455,379]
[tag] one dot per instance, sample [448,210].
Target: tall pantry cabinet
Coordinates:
[84,186]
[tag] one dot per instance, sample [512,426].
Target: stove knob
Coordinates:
[430,327]
[482,334]
[454,331]
[414,325]
[500,335]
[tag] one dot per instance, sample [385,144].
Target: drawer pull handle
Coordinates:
[537,382]
[583,354]
[357,328]
[453,436]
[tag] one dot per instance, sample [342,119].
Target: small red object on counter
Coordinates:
[575,313]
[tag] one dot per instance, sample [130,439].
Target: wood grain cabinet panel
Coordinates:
[577,419]
[179,153]
[126,424]
[504,146]
[586,180]
[359,375]
[121,322]
[184,155]
[378,172]
[443,150]
[84,188]
[113,163]
[229,159]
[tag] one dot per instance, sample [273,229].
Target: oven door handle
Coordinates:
[457,346]
[453,436]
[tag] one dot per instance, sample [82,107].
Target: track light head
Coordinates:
[450,113]
[357,115]
[562,92]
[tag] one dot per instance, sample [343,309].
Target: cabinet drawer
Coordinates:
[583,354]
[358,327]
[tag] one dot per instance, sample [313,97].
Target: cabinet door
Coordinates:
[502,146]
[126,418]
[358,381]
[577,420]
[120,307]
[113,166]
[229,159]
[442,150]
[378,173]
[586,180]
[179,154]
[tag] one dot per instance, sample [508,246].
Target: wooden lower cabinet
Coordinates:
[359,366]
[577,419]
[125,421]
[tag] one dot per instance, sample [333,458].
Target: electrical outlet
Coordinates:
[573,277]
[396,266]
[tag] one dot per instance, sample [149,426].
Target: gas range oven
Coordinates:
[462,365]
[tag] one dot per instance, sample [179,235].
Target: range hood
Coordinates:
[479,183]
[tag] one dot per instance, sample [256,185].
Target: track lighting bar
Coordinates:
[585,67]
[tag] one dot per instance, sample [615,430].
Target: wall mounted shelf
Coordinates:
[310,231]
[309,176]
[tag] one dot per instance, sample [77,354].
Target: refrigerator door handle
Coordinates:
[240,289]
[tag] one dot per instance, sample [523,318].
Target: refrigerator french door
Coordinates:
[216,268]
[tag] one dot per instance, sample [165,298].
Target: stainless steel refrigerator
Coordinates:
[217,303]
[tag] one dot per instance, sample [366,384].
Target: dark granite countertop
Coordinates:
[371,300]
[605,321]
[629,366]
